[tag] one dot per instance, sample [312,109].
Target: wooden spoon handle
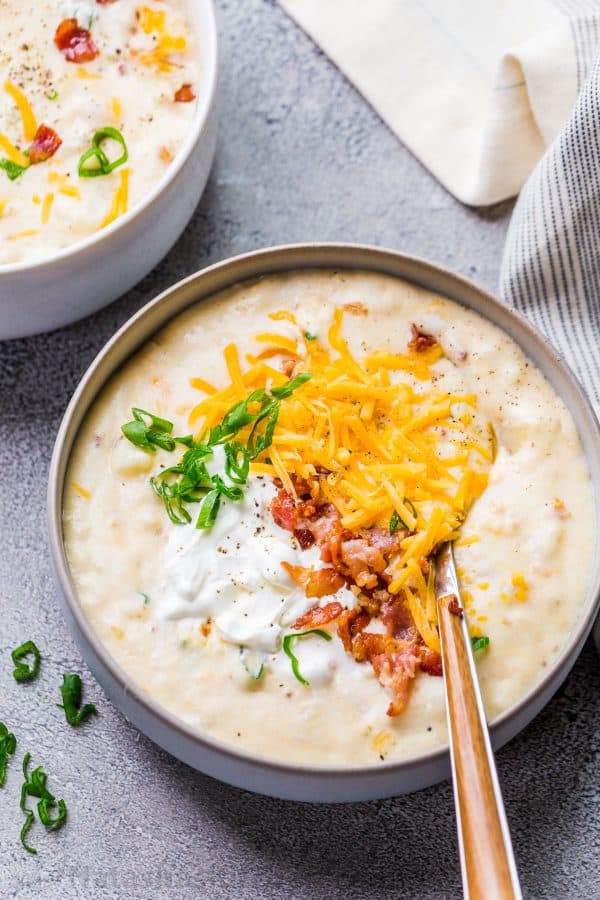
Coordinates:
[489,871]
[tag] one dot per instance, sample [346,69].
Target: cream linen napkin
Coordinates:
[477,90]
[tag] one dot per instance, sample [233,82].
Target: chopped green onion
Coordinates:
[23,671]
[411,506]
[309,336]
[51,95]
[44,807]
[209,509]
[253,663]
[479,643]
[8,744]
[395,520]
[189,481]
[237,462]
[144,597]
[101,163]
[70,690]
[148,431]
[13,170]
[34,785]
[287,649]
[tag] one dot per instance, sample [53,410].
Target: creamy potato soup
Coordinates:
[96,98]
[253,502]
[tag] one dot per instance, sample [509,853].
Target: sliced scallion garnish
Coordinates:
[479,643]
[51,95]
[189,481]
[395,520]
[95,162]
[8,745]
[23,671]
[287,649]
[34,785]
[70,691]
[13,170]
[411,506]
[253,663]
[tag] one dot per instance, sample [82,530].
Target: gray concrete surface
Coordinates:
[300,156]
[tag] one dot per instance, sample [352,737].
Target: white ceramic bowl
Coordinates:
[247,770]
[48,293]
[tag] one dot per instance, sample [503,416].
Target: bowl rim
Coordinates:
[208,49]
[266,262]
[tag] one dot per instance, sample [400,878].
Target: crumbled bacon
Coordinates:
[356,308]
[305,537]
[288,365]
[75,43]
[430,661]
[397,671]
[45,144]
[351,623]
[315,582]
[283,510]
[184,94]
[105,2]
[397,619]
[420,340]
[319,615]
[454,607]
[360,560]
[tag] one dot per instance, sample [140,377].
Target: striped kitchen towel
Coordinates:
[551,265]
[476,90]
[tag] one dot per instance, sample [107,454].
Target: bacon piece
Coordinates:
[105,2]
[398,620]
[288,365]
[45,144]
[283,510]
[328,532]
[430,661]
[454,607]
[397,671]
[75,43]
[351,623]
[305,537]
[363,561]
[184,94]
[356,308]
[319,615]
[315,582]
[420,340]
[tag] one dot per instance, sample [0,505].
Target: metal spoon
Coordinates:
[487,861]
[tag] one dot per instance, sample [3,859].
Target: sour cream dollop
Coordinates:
[232,573]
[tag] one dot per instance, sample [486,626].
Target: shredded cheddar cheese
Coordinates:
[153,21]
[27,232]
[85,74]
[520,587]
[13,153]
[120,200]
[63,185]
[47,208]
[4,201]
[394,459]
[83,492]
[27,114]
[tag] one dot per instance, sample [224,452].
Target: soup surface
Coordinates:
[254,547]
[96,98]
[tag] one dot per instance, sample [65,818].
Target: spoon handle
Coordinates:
[488,866]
